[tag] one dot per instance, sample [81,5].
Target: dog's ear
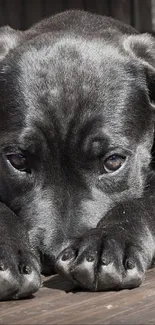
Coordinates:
[142,47]
[9,39]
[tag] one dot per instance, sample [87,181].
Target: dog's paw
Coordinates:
[101,262]
[19,273]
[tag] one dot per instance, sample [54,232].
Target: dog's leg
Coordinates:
[19,267]
[117,253]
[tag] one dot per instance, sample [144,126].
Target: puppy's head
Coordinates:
[76,130]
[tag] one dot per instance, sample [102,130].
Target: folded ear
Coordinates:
[9,39]
[142,47]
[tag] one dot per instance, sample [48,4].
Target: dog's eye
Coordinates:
[114,162]
[18,161]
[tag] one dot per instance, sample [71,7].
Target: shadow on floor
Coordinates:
[56,282]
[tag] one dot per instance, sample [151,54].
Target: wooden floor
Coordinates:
[57,303]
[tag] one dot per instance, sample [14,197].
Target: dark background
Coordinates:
[21,14]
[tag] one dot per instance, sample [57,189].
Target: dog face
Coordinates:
[76,131]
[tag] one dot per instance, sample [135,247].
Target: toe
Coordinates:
[134,268]
[30,279]
[64,262]
[8,284]
[110,267]
[30,284]
[84,270]
[109,277]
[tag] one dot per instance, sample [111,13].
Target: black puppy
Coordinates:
[77,189]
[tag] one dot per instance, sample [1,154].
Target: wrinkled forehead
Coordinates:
[78,82]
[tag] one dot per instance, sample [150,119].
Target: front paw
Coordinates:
[19,272]
[99,261]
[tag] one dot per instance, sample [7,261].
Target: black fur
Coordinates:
[76,89]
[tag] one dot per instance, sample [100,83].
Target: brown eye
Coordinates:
[18,161]
[113,163]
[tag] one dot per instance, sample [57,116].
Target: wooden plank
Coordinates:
[121,10]
[11,12]
[100,7]
[2,18]
[33,12]
[52,7]
[74,4]
[153,15]
[143,15]
[58,303]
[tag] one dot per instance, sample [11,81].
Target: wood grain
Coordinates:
[143,15]
[57,302]
[121,11]
[23,13]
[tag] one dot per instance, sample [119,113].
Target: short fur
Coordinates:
[76,89]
